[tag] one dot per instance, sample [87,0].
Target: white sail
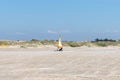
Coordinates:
[59,43]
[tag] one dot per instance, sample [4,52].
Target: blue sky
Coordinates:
[76,20]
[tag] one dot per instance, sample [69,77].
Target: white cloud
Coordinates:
[52,32]
[58,32]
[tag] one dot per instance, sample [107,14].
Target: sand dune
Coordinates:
[71,64]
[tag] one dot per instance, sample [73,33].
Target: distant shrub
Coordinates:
[104,40]
[102,44]
[34,40]
[4,43]
[47,42]
[88,44]
[23,47]
[73,44]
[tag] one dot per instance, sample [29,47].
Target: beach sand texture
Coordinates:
[71,64]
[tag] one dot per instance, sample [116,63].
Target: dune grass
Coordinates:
[37,43]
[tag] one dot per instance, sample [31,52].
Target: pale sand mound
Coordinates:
[71,64]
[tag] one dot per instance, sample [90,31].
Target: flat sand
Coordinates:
[71,64]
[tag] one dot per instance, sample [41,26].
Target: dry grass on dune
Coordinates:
[38,43]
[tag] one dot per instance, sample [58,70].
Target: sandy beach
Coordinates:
[97,63]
